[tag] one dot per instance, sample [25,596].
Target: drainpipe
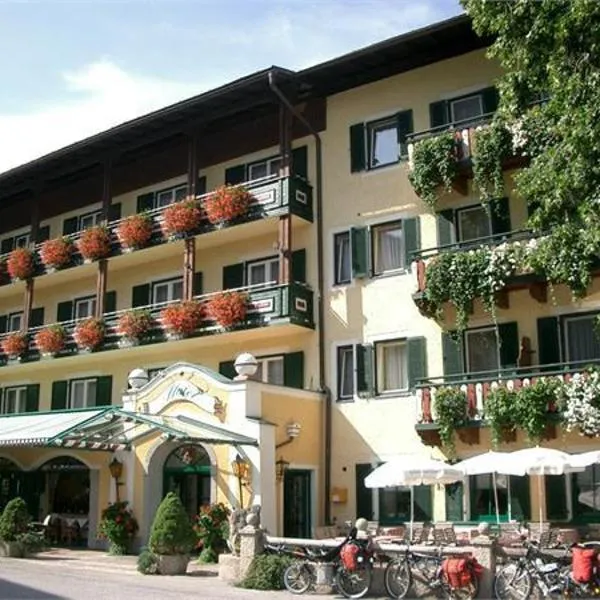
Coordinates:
[320,284]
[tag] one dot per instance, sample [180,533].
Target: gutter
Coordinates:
[320,284]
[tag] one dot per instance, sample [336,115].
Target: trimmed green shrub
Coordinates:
[147,562]
[32,542]
[266,572]
[15,520]
[172,531]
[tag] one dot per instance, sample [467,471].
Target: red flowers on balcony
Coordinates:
[20,264]
[51,340]
[227,203]
[181,218]
[135,232]
[180,320]
[94,243]
[134,325]
[57,253]
[89,334]
[228,308]
[15,344]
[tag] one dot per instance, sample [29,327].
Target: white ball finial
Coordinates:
[137,379]
[245,365]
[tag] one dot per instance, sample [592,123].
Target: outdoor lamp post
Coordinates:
[241,469]
[116,470]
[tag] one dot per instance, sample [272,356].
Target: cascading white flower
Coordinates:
[581,400]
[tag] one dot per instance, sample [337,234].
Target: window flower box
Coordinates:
[15,344]
[226,204]
[228,308]
[182,319]
[89,334]
[94,243]
[51,340]
[20,264]
[181,219]
[133,326]
[56,254]
[135,232]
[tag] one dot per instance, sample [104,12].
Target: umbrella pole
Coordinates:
[540,493]
[412,511]
[496,497]
[509,499]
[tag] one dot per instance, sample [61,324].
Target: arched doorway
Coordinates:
[11,478]
[187,472]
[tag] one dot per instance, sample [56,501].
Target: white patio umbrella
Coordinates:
[585,459]
[410,470]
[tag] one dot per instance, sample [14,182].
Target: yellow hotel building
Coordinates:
[329,257]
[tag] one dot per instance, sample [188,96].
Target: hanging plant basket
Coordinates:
[228,308]
[182,319]
[57,253]
[135,231]
[94,243]
[20,264]
[15,344]
[134,325]
[181,218]
[89,334]
[51,340]
[226,204]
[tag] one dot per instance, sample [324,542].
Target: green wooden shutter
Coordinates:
[201,185]
[300,162]
[293,370]
[490,99]
[365,371]
[556,498]
[358,155]
[412,238]
[417,360]
[548,343]
[114,211]
[70,225]
[7,245]
[3,323]
[454,501]
[446,227]
[32,398]
[235,175]
[500,213]
[299,266]
[64,311]
[145,202]
[404,122]
[453,355]
[233,276]
[43,234]
[508,334]
[520,499]
[359,250]
[364,495]
[59,395]
[423,503]
[439,113]
[140,295]
[104,391]
[197,283]
[36,318]
[110,302]
[227,368]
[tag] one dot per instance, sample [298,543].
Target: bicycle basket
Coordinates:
[459,572]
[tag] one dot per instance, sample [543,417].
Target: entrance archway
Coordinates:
[11,479]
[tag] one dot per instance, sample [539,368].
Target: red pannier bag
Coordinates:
[583,564]
[348,556]
[458,572]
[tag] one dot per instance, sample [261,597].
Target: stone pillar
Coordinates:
[484,551]
[252,543]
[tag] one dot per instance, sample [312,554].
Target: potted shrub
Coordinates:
[15,345]
[135,232]
[172,536]
[94,243]
[14,522]
[133,326]
[499,412]
[227,203]
[89,334]
[51,340]
[210,528]
[531,409]
[450,407]
[228,308]
[56,254]
[181,218]
[20,264]
[118,526]
[182,319]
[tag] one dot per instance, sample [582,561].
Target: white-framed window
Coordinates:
[582,339]
[345,372]
[85,307]
[15,321]
[388,247]
[22,241]
[270,370]
[14,400]
[342,258]
[391,359]
[469,107]
[481,350]
[90,220]
[166,197]
[263,271]
[82,393]
[167,291]
[264,168]
[473,223]
[383,142]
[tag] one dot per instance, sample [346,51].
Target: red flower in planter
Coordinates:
[56,253]
[94,243]
[51,340]
[183,318]
[228,308]
[227,203]
[135,231]
[89,334]
[15,344]
[20,263]
[181,217]
[134,324]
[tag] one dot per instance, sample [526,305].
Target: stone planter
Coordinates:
[11,549]
[173,565]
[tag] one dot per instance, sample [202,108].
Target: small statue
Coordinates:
[253,517]
[237,521]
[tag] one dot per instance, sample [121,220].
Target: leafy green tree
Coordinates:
[172,531]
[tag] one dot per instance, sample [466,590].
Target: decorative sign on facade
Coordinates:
[184,389]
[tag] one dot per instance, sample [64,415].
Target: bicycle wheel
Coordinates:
[298,577]
[397,578]
[355,583]
[512,582]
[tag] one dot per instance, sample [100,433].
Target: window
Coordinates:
[391,360]
[582,339]
[15,321]
[342,258]
[166,197]
[264,168]
[383,143]
[388,247]
[482,350]
[586,493]
[166,291]
[467,108]
[473,223]
[270,370]
[263,272]
[82,393]
[345,372]
[513,497]
[14,400]
[90,220]
[394,504]
[22,241]
[85,307]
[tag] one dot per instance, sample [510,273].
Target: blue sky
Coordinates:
[72,68]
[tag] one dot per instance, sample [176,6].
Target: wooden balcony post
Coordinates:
[189,268]
[27,304]
[101,287]
[284,239]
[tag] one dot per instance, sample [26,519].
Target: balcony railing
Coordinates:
[477,386]
[267,305]
[272,197]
